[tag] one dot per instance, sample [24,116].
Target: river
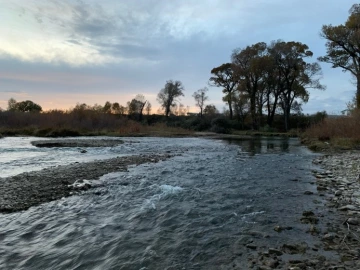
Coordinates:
[196,210]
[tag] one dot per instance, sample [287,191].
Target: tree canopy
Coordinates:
[343,46]
[269,77]
[167,96]
[23,106]
[224,76]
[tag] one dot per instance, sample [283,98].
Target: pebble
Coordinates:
[348,207]
[338,193]
[353,221]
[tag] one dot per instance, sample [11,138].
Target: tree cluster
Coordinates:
[267,78]
[23,106]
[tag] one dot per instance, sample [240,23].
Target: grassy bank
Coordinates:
[341,133]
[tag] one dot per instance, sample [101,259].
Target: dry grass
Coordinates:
[342,133]
[160,129]
[78,123]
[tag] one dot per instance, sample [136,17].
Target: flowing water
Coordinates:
[188,212]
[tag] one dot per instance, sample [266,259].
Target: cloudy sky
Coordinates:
[60,52]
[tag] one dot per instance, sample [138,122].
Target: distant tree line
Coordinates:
[264,78]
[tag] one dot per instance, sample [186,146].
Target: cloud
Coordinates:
[119,47]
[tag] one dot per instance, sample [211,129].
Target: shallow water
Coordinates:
[188,212]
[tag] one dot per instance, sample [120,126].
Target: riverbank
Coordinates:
[24,190]
[338,182]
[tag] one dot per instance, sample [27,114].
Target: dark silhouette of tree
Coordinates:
[342,46]
[296,76]
[250,71]
[107,107]
[223,76]
[11,104]
[241,107]
[148,108]
[200,98]
[115,108]
[168,95]
[210,110]
[23,106]
[136,106]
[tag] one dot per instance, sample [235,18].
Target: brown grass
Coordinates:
[78,123]
[342,132]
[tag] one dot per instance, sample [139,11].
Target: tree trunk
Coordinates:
[230,109]
[253,111]
[272,113]
[286,116]
[358,92]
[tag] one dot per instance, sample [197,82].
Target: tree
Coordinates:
[224,76]
[250,70]
[241,107]
[200,98]
[210,110]
[148,108]
[167,96]
[107,107]
[27,106]
[136,106]
[296,76]
[11,104]
[343,46]
[115,108]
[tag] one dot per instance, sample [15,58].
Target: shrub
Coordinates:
[220,125]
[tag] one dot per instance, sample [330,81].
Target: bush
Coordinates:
[220,125]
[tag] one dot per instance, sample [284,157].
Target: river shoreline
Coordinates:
[338,185]
[338,182]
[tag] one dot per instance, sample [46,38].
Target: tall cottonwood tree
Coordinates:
[295,75]
[200,98]
[224,76]
[343,46]
[269,78]
[250,72]
[167,96]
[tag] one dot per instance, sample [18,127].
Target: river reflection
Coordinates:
[263,145]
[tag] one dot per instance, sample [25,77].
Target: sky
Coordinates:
[61,52]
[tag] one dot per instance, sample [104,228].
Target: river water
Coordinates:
[192,211]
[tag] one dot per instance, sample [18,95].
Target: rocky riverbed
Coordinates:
[33,188]
[338,184]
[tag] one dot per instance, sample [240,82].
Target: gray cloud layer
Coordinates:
[120,47]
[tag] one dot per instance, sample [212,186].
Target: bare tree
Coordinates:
[200,98]
[11,104]
[148,108]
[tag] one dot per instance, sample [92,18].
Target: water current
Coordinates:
[191,211]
